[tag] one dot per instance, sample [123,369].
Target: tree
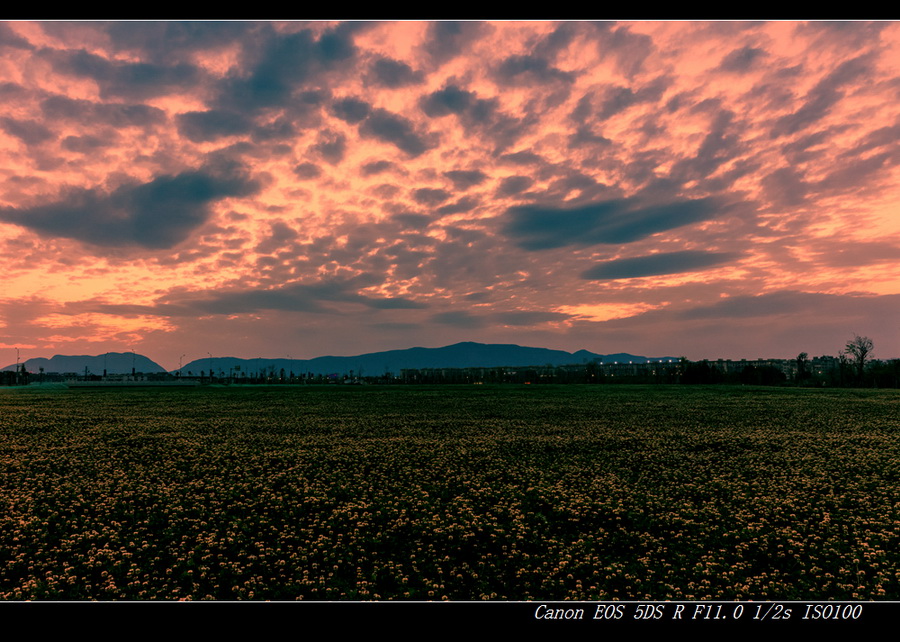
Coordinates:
[802,361]
[842,368]
[860,349]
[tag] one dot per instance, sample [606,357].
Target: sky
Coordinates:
[272,189]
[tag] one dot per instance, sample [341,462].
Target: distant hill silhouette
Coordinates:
[114,362]
[460,355]
[467,354]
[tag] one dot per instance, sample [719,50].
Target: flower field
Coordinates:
[446,492]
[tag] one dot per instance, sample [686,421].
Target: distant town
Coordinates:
[500,364]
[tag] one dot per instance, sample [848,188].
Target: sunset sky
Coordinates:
[705,189]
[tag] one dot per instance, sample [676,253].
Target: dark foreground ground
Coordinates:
[475,492]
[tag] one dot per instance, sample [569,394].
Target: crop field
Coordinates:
[449,492]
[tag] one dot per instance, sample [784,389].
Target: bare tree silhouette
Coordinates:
[860,349]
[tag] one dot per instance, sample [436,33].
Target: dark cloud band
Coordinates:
[155,215]
[538,227]
[657,264]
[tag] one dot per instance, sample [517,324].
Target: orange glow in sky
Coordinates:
[711,189]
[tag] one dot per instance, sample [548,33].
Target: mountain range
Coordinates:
[460,355]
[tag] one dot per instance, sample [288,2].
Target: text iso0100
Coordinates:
[833,611]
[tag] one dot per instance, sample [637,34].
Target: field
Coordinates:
[446,492]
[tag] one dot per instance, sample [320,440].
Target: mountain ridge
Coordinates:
[464,354]
[111,362]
